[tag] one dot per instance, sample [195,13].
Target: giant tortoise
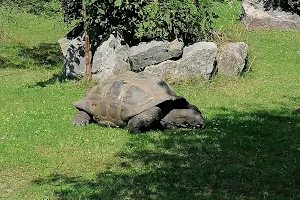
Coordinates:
[139,101]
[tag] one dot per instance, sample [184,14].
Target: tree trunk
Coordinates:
[88,71]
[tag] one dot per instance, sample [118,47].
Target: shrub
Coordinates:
[286,5]
[189,20]
[71,9]
[294,5]
[145,20]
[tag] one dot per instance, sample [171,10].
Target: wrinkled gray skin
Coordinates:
[189,117]
[170,114]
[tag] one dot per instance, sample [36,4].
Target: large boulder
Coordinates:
[232,59]
[111,57]
[197,60]
[154,52]
[255,16]
[107,59]
[167,70]
[74,63]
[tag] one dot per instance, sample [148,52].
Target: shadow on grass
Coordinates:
[55,77]
[239,156]
[6,63]
[52,80]
[44,54]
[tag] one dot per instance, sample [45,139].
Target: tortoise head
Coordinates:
[189,117]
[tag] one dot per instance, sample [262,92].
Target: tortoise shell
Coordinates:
[121,97]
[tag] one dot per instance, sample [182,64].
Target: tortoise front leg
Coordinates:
[145,121]
[81,118]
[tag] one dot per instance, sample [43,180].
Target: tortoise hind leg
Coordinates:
[81,118]
[145,121]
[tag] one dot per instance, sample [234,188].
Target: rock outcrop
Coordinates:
[169,60]
[74,63]
[110,58]
[197,60]
[255,16]
[154,52]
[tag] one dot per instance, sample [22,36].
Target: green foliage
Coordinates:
[295,5]
[190,20]
[287,5]
[72,9]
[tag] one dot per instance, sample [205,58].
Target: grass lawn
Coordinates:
[249,150]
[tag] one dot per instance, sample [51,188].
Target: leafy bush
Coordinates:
[189,20]
[72,9]
[294,5]
[287,5]
[139,20]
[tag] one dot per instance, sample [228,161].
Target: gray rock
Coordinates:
[166,70]
[198,59]
[232,59]
[255,16]
[154,52]
[64,45]
[74,63]
[111,57]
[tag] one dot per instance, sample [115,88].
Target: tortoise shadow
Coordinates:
[238,156]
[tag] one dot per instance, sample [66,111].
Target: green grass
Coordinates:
[250,148]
